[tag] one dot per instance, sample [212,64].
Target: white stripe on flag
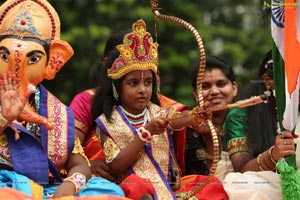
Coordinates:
[291,103]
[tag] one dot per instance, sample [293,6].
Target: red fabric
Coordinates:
[134,186]
[81,106]
[214,190]
[179,148]
[93,149]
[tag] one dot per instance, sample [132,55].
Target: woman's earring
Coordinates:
[267,85]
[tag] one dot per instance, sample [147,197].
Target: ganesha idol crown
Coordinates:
[29,18]
[138,52]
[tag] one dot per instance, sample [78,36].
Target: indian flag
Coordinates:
[286,59]
[286,65]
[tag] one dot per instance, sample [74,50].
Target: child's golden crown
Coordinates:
[138,52]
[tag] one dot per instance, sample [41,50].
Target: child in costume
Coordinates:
[134,130]
[40,155]
[85,127]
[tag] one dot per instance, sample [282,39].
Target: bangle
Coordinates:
[270,155]
[208,156]
[169,126]
[265,160]
[144,135]
[259,163]
[192,114]
[78,180]
[3,121]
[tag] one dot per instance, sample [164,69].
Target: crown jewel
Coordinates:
[29,18]
[138,52]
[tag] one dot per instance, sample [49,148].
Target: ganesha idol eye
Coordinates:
[4,57]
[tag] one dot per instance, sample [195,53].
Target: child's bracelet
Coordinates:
[144,135]
[78,180]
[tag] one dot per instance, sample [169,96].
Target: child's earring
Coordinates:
[158,83]
[115,93]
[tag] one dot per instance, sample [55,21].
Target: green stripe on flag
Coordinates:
[279,81]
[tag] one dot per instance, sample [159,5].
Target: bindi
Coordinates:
[19,46]
[142,75]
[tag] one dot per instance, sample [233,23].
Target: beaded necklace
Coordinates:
[35,105]
[132,115]
[145,114]
[137,124]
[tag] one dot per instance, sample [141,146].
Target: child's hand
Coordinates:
[156,126]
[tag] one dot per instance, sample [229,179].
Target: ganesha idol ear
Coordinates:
[60,53]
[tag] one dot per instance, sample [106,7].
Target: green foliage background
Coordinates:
[238,31]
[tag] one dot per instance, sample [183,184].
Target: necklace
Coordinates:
[145,114]
[35,105]
[132,115]
[146,117]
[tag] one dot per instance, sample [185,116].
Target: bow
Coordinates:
[242,103]
[156,12]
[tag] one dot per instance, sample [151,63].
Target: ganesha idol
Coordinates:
[30,47]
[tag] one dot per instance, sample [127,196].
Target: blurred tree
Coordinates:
[238,31]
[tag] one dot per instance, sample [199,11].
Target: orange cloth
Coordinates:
[12,194]
[101,197]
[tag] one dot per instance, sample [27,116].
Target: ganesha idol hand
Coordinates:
[12,104]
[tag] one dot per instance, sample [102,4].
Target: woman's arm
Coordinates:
[284,146]
[179,120]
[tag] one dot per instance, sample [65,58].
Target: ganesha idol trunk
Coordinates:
[29,115]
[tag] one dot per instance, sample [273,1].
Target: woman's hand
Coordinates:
[284,146]
[200,114]
[66,188]
[101,169]
[176,184]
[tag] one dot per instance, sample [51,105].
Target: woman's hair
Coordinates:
[266,65]
[262,117]
[104,100]
[114,40]
[94,73]
[212,62]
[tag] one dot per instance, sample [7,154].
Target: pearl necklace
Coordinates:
[146,117]
[132,115]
